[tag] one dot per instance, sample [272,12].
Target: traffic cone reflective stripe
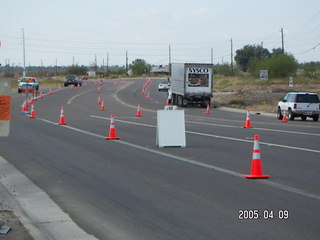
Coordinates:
[138,114]
[256,164]
[62,119]
[33,113]
[112,130]
[248,122]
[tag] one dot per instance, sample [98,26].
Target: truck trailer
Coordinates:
[191,84]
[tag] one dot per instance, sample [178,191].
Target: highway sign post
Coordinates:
[263,74]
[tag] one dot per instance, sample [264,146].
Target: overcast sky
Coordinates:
[77,30]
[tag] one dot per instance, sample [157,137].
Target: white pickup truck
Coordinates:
[299,104]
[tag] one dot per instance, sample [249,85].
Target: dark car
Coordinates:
[72,80]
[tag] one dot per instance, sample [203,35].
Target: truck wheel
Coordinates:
[179,100]
[303,118]
[315,118]
[279,114]
[290,115]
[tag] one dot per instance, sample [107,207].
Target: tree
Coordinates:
[78,70]
[248,53]
[279,65]
[139,67]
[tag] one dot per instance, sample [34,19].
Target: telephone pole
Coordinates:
[282,40]
[211,56]
[126,63]
[169,60]
[231,56]
[24,54]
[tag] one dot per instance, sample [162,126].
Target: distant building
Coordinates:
[91,73]
[160,70]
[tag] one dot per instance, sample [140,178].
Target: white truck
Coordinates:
[191,83]
[299,104]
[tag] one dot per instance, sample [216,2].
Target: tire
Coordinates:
[179,100]
[279,114]
[19,90]
[66,85]
[290,115]
[303,118]
[315,118]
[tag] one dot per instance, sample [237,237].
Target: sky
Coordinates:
[79,32]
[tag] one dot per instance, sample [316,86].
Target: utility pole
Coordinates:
[24,54]
[231,56]
[126,62]
[211,56]
[282,40]
[261,44]
[169,60]
[72,60]
[107,63]
[56,67]
[95,62]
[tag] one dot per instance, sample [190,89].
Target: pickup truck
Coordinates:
[299,104]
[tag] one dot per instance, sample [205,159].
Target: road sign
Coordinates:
[263,74]
[5,103]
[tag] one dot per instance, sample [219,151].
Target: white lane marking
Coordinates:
[221,137]
[199,164]
[263,129]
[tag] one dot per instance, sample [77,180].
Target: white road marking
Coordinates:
[195,163]
[218,136]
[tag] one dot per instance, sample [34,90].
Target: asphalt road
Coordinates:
[131,189]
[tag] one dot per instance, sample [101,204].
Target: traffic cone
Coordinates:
[138,114]
[60,90]
[62,119]
[256,165]
[142,92]
[41,95]
[33,112]
[148,97]
[167,102]
[99,100]
[99,90]
[284,118]
[102,108]
[248,122]
[112,131]
[50,92]
[208,109]
[24,107]
[114,84]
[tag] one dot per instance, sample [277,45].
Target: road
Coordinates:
[131,189]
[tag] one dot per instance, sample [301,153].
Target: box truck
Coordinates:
[191,84]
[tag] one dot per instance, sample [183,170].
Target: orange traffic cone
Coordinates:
[33,112]
[284,118]
[99,100]
[62,119]
[112,131]
[148,97]
[60,90]
[256,165]
[138,114]
[24,108]
[102,108]
[248,122]
[99,90]
[41,95]
[208,109]
[50,92]
[167,102]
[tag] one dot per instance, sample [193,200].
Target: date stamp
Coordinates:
[255,214]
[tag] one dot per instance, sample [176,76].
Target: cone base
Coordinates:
[247,127]
[112,138]
[138,115]
[256,176]
[62,124]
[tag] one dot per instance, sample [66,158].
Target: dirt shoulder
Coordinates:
[260,98]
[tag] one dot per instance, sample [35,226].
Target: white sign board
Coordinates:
[171,128]
[263,74]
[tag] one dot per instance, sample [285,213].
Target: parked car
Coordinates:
[31,82]
[299,104]
[163,86]
[72,80]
